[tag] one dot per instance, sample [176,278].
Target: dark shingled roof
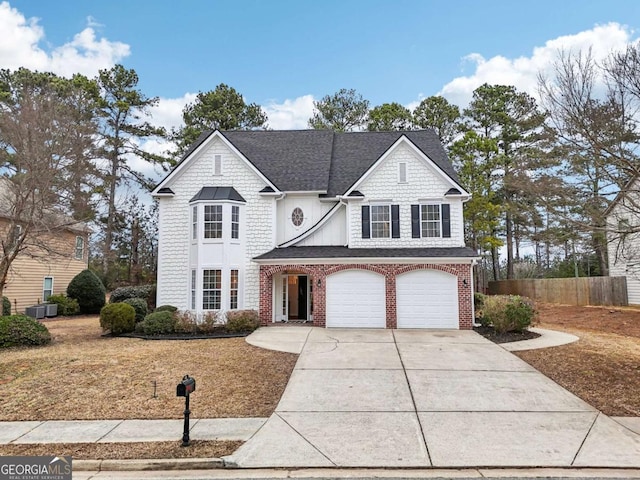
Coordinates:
[346,252]
[166,190]
[320,160]
[218,193]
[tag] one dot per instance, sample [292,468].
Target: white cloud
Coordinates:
[168,112]
[290,114]
[522,72]
[86,53]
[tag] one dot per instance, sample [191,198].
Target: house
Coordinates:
[359,229]
[36,273]
[623,238]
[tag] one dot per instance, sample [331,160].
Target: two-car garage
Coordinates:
[425,298]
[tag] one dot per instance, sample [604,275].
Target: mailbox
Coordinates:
[186,386]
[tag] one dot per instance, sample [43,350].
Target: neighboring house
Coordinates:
[359,229]
[33,278]
[623,219]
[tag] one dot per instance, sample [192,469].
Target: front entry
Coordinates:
[292,298]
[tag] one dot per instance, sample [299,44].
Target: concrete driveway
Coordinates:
[409,398]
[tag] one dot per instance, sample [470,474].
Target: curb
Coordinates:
[148,465]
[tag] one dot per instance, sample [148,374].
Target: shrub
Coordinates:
[148,292]
[159,323]
[508,313]
[242,320]
[139,305]
[478,300]
[118,318]
[6,306]
[22,330]
[166,308]
[88,290]
[210,322]
[66,306]
[185,322]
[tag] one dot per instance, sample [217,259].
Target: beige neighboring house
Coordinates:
[36,274]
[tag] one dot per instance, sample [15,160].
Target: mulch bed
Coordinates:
[125,451]
[507,337]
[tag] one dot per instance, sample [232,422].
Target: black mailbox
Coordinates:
[186,386]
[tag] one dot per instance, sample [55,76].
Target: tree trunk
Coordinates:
[495,263]
[509,230]
[107,252]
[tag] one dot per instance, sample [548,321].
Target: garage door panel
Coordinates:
[356,298]
[427,299]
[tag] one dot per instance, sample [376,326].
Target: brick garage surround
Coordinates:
[390,272]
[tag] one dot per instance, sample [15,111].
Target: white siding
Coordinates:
[313,210]
[334,232]
[175,229]
[423,182]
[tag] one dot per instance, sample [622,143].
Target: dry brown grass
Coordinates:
[125,451]
[603,367]
[83,376]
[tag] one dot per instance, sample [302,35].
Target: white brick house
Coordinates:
[342,229]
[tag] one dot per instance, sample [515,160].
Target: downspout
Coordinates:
[347,218]
[274,238]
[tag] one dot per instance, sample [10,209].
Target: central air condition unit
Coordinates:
[35,311]
[51,309]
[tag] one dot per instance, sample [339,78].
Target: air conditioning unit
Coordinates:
[36,311]
[51,309]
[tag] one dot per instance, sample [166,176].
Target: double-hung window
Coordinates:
[213,221]
[194,222]
[193,289]
[431,220]
[47,288]
[211,289]
[380,221]
[233,290]
[79,251]
[235,222]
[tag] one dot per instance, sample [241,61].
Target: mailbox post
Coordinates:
[184,389]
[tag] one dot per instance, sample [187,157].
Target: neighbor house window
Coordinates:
[233,290]
[235,221]
[194,223]
[79,248]
[47,288]
[211,289]
[430,220]
[380,221]
[193,289]
[213,221]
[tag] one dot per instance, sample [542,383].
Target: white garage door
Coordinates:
[427,299]
[356,298]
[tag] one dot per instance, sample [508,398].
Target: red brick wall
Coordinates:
[390,271]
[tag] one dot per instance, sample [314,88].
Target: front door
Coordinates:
[292,302]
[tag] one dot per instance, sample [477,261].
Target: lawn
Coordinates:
[84,376]
[603,367]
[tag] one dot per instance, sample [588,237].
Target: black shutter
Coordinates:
[395,221]
[366,226]
[415,221]
[446,221]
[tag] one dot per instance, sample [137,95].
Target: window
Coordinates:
[380,221]
[233,290]
[217,164]
[213,221]
[79,248]
[47,288]
[211,289]
[235,221]
[193,289]
[194,223]
[297,216]
[430,220]
[402,172]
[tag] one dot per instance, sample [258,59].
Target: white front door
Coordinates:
[356,298]
[427,299]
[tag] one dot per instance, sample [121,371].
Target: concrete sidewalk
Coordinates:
[409,398]
[116,431]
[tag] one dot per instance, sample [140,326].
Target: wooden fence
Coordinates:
[567,291]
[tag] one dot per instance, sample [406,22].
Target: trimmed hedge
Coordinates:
[242,321]
[6,306]
[18,330]
[166,308]
[118,318]
[158,323]
[508,313]
[139,305]
[88,290]
[66,306]
[148,292]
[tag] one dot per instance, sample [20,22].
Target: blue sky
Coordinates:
[285,54]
